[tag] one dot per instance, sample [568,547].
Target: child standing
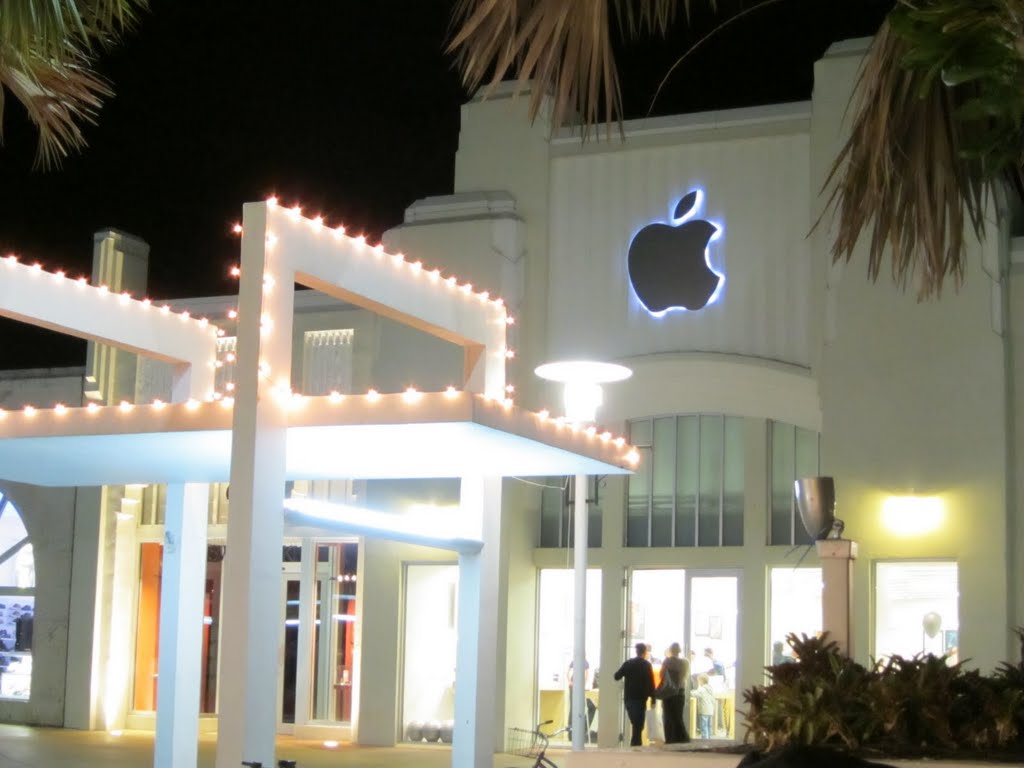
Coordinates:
[706,704]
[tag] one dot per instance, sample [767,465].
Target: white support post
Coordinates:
[182,588]
[580,727]
[837,556]
[182,581]
[252,562]
[474,738]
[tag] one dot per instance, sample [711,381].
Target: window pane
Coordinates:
[732,497]
[594,513]
[555,644]
[428,702]
[916,609]
[16,618]
[663,469]
[783,474]
[148,628]
[551,503]
[795,608]
[639,487]
[709,512]
[18,566]
[687,466]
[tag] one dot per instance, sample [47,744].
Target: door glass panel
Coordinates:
[795,608]
[291,649]
[431,630]
[555,645]
[334,631]
[916,609]
[714,603]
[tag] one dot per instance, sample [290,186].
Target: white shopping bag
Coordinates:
[654,729]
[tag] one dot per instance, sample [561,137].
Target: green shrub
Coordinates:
[915,706]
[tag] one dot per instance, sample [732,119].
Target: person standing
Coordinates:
[637,690]
[705,706]
[675,672]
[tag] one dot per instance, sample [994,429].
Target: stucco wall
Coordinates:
[49,517]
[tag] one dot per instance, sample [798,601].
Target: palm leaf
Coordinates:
[563,46]
[937,124]
[45,63]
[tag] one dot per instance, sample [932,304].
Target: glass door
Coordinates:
[288,637]
[700,611]
[713,618]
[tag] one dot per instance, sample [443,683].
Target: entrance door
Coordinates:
[698,610]
[288,638]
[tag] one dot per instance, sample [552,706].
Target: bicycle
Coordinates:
[526,743]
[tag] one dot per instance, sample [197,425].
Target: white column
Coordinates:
[474,738]
[182,580]
[252,562]
[837,556]
[580,728]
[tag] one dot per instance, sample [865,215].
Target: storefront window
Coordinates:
[555,646]
[689,487]
[431,630]
[17,604]
[795,608]
[147,631]
[917,609]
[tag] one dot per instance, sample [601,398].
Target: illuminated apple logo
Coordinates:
[668,263]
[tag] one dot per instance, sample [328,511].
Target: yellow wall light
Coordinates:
[912,515]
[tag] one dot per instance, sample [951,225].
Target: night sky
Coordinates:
[350,107]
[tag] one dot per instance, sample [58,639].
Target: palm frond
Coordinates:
[564,47]
[45,63]
[58,98]
[937,119]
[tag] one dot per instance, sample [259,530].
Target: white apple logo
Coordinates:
[668,264]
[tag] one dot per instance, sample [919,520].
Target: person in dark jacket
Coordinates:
[637,690]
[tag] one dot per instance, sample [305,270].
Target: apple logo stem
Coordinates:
[668,264]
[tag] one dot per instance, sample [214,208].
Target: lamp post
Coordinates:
[581,380]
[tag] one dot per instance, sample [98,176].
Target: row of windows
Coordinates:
[690,488]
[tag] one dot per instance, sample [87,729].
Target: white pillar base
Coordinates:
[837,556]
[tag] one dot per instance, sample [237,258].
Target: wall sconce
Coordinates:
[912,515]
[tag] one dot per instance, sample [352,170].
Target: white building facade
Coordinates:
[795,367]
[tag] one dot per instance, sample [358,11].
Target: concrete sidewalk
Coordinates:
[27,747]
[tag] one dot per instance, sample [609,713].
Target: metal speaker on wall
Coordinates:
[816,500]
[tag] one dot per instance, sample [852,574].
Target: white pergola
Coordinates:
[268,434]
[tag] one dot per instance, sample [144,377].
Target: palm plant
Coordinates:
[937,125]
[46,50]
